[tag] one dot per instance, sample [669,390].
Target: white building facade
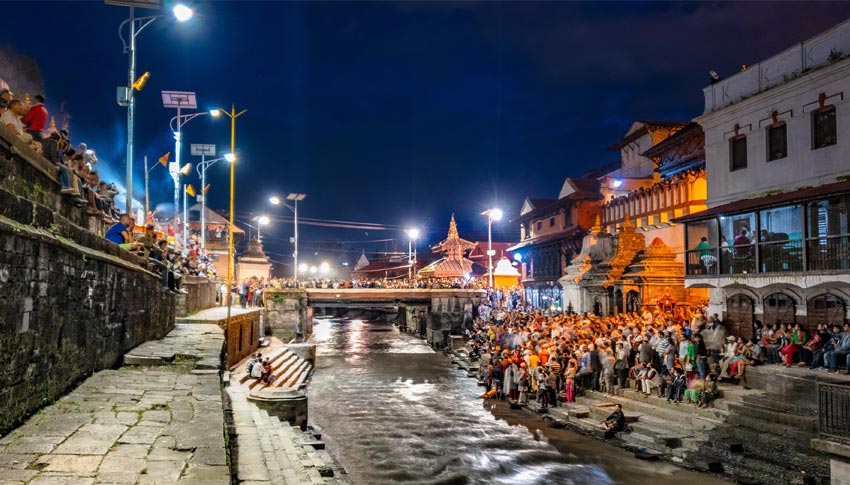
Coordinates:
[777,149]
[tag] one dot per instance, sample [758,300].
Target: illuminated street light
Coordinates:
[274,200]
[294,198]
[413,235]
[494,214]
[313,269]
[126,94]
[261,221]
[215,112]
[324,267]
[304,268]
[182,13]
[230,157]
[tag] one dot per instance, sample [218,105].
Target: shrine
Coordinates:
[454,263]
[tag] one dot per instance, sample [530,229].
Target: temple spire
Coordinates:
[453,228]
[597,226]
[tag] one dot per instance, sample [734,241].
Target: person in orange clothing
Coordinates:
[544,356]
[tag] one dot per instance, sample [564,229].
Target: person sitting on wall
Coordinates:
[119,233]
[616,421]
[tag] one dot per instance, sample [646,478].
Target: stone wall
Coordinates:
[201,293]
[72,302]
[242,335]
[285,309]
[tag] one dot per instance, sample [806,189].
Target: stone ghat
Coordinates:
[756,436]
[72,302]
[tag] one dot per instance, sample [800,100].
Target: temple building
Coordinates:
[454,263]
[253,262]
[216,235]
[777,227]
[551,232]
[632,257]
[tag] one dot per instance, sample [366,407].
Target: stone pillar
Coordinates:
[287,310]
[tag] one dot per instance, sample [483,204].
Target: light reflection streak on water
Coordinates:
[396,412]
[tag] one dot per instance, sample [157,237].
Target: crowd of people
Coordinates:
[75,166]
[358,283]
[680,357]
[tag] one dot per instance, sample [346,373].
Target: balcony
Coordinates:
[817,254]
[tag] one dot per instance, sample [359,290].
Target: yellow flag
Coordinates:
[190,190]
[164,159]
[206,189]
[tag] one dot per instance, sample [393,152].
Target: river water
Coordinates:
[394,411]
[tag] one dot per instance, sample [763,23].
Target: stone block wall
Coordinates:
[72,302]
[285,309]
[201,293]
[242,336]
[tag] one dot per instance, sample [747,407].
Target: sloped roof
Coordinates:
[210,217]
[642,127]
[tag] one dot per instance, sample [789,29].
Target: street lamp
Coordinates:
[261,221]
[324,268]
[203,151]
[294,198]
[126,95]
[231,158]
[492,215]
[181,100]
[413,235]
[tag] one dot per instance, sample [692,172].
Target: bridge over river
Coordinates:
[433,313]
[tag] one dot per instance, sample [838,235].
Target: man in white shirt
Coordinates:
[11,119]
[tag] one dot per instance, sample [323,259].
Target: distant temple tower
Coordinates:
[253,263]
[454,263]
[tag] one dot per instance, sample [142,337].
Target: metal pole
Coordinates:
[490,249]
[230,226]
[185,217]
[131,109]
[203,203]
[147,198]
[176,174]
[295,254]
[409,258]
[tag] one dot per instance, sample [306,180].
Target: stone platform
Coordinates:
[134,425]
[242,333]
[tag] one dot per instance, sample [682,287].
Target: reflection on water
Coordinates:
[396,412]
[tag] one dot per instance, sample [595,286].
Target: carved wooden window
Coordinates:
[738,153]
[777,141]
[551,222]
[824,128]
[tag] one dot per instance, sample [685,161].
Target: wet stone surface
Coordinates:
[134,425]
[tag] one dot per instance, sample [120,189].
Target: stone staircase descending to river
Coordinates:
[749,436]
[270,451]
[290,370]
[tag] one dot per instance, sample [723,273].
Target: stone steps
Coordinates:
[760,411]
[269,451]
[289,370]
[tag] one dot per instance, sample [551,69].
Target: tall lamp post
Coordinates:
[126,95]
[231,158]
[413,235]
[261,221]
[181,100]
[294,198]
[492,215]
[203,151]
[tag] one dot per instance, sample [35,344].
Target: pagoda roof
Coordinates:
[446,268]
[453,243]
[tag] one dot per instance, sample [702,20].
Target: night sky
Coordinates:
[398,113]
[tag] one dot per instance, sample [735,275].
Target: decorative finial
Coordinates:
[453,228]
[597,226]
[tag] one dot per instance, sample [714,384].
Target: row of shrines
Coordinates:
[745,208]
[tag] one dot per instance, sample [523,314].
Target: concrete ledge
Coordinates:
[285,403]
[831,447]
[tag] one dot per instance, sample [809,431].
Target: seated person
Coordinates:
[119,233]
[616,421]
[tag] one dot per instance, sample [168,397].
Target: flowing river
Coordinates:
[395,411]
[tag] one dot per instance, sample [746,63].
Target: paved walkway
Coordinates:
[215,314]
[133,425]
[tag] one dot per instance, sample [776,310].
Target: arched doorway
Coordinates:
[827,309]
[779,308]
[618,301]
[739,315]
[633,301]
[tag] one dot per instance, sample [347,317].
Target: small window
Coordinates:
[539,225]
[824,132]
[737,153]
[777,141]
[551,222]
